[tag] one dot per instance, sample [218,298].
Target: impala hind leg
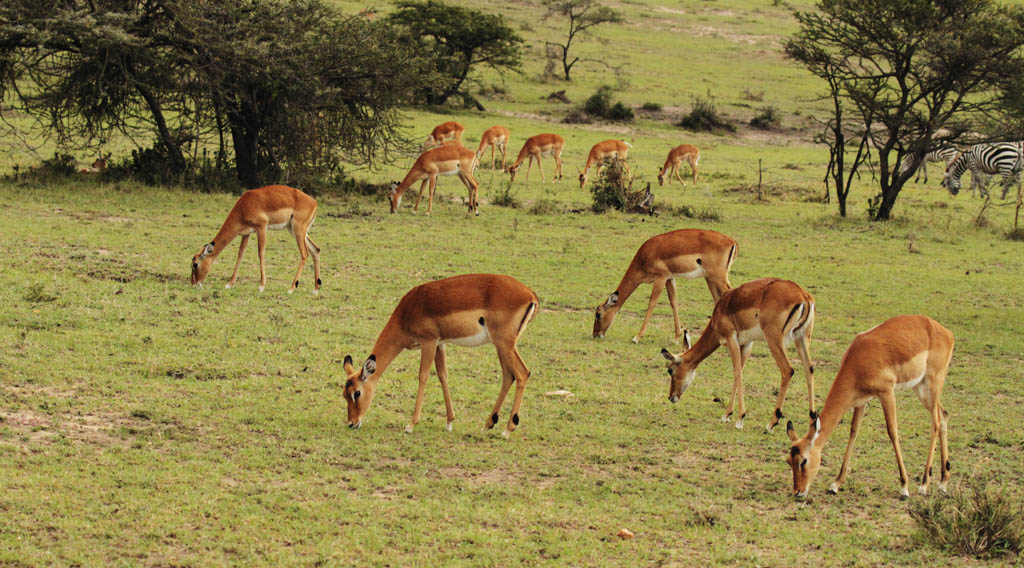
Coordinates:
[928,392]
[656,287]
[507,378]
[261,246]
[441,364]
[427,351]
[779,354]
[315,251]
[522,375]
[844,470]
[670,287]
[300,237]
[241,249]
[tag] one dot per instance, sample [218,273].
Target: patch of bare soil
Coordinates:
[35,428]
[496,476]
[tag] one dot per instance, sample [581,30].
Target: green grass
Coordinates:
[147,422]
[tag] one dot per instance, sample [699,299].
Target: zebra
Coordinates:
[945,154]
[1002,158]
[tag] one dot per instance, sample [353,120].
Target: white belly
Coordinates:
[750,335]
[697,273]
[908,385]
[279,225]
[480,338]
[450,172]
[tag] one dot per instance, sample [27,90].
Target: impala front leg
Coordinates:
[261,245]
[736,400]
[241,249]
[656,287]
[427,352]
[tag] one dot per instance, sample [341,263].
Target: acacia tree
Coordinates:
[898,71]
[288,82]
[459,40]
[583,15]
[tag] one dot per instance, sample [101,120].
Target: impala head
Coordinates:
[100,164]
[661,178]
[681,373]
[201,264]
[583,178]
[604,314]
[804,457]
[513,170]
[394,197]
[358,392]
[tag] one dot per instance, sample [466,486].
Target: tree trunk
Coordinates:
[889,195]
[173,150]
[246,155]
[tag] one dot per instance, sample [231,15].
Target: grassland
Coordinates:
[147,422]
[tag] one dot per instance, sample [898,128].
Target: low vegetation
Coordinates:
[976,519]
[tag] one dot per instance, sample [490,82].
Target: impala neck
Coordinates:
[705,346]
[389,344]
[228,232]
[838,401]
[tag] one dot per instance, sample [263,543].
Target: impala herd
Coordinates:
[903,353]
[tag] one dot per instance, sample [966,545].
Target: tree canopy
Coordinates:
[905,77]
[458,40]
[276,85]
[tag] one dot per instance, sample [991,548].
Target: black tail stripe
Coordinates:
[790,317]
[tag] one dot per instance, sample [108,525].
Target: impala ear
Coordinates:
[207,250]
[686,338]
[612,300]
[347,365]
[369,367]
[668,355]
[817,430]
[791,432]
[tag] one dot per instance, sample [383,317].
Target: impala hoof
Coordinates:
[727,417]
[505,433]
[922,490]
[739,424]
[833,489]
[408,428]
[636,339]
[448,426]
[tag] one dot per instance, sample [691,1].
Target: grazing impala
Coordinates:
[447,159]
[445,131]
[98,166]
[903,353]
[602,151]
[686,253]
[469,310]
[533,149]
[769,309]
[675,159]
[271,207]
[495,137]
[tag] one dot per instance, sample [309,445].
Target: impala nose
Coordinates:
[673,399]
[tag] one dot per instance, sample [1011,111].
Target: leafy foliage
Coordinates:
[704,116]
[457,40]
[892,87]
[599,104]
[274,85]
[613,189]
[583,15]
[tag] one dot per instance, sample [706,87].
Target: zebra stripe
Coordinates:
[945,154]
[1002,158]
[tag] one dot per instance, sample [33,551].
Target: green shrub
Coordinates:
[973,519]
[704,116]
[767,120]
[620,113]
[600,102]
[651,107]
[505,197]
[613,189]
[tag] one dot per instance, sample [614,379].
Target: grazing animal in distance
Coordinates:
[676,156]
[685,253]
[256,211]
